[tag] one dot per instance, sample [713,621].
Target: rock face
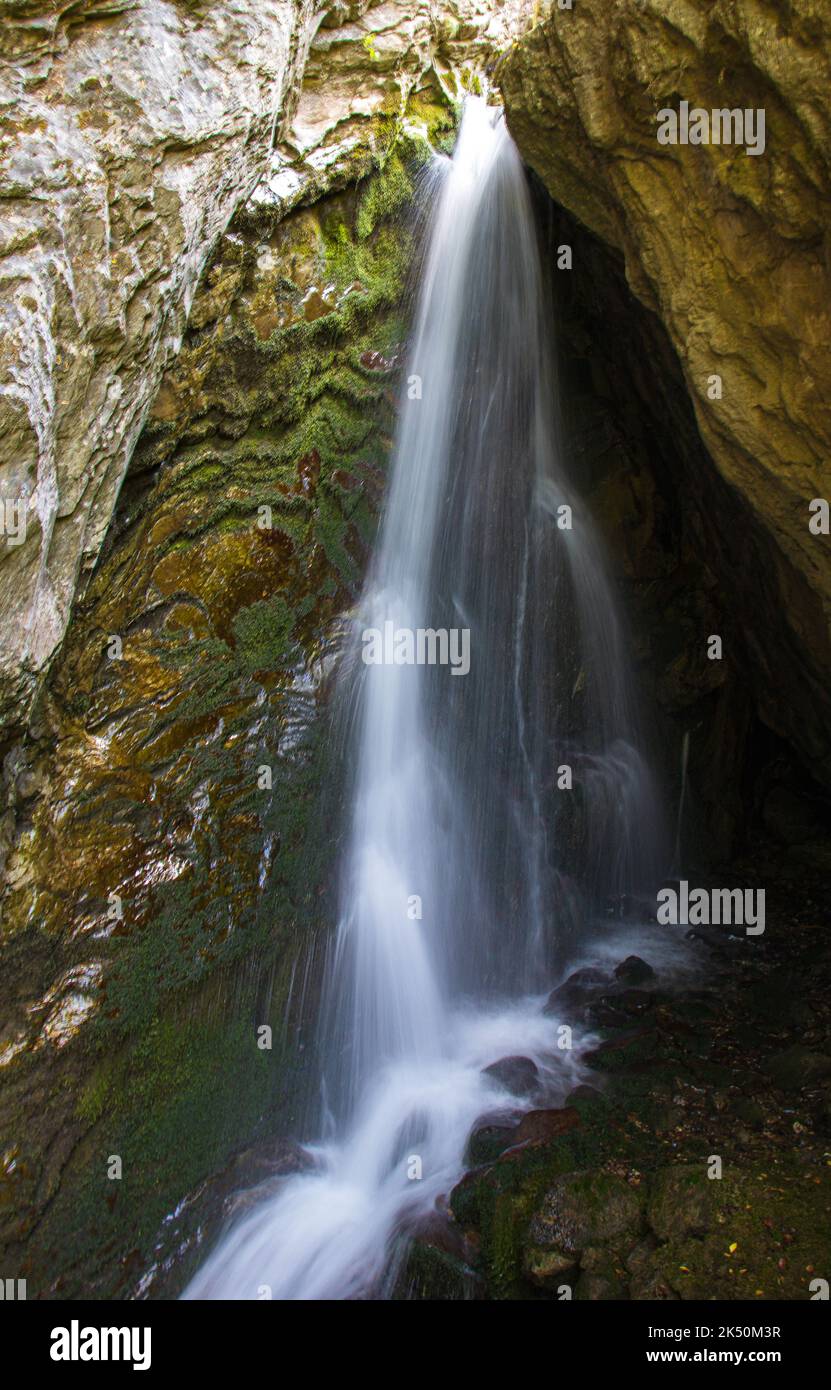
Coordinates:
[129,137]
[167,865]
[689,561]
[128,142]
[731,251]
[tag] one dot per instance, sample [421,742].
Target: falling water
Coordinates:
[468,861]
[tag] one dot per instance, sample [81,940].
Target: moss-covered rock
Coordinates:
[584,1210]
[170,866]
[431,1274]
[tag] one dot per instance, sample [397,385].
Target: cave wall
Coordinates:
[730,251]
[670,525]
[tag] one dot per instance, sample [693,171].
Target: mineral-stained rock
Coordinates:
[541,1126]
[731,250]
[127,145]
[165,870]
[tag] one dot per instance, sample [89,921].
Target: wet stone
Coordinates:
[487,1142]
[542,1126]
[587,1095]
[432,1274]
[634,971]
[519,1075]
[578,990]
[633,1001]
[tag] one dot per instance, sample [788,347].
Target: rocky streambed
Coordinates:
[695,1164]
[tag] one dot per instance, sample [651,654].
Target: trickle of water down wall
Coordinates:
[494,810]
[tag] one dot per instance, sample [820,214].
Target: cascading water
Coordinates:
[466,844]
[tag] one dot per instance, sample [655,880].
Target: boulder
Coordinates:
[541,1126]
[586,1209]
[634,971]
[519,1075]
[569,998]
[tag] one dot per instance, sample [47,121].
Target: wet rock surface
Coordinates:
[124,171]
[634,971]
[519,1075]
[250,1176]
[169,850]
[539,1126]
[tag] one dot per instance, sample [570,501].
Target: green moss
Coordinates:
[770,1235]
[265,633]
[440,120]
[176,1103]
[471,81]
[432,1274]
[503,1250]
[387,194]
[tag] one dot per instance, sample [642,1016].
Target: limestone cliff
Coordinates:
[129,135]
[130,132]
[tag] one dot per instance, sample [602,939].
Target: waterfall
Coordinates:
[493,811]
